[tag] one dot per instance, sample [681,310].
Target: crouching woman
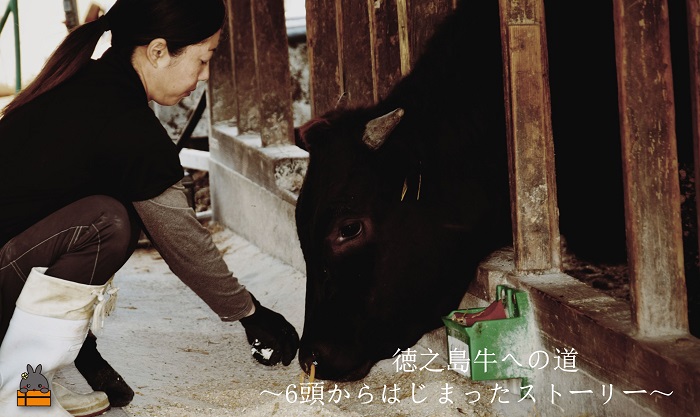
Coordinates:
[87,166]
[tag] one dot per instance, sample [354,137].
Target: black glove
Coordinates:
[272,337]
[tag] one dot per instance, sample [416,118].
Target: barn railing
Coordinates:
[361,48]
[251,137]
[650,168]
[658,309]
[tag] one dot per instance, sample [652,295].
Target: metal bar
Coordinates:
[70,8]
[192,121]
[18,62]
[12,8]
[8,10]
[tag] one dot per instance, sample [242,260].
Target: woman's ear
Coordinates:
[157,52]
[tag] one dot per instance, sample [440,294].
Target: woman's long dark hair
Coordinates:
[133,23]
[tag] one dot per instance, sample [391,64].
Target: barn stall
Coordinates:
[360,49]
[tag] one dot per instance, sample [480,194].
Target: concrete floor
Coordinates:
[182,361]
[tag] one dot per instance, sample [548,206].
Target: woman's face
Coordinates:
[176,77]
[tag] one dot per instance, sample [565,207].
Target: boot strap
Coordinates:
[105,304]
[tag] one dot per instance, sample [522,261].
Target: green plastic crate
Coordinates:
[489,342]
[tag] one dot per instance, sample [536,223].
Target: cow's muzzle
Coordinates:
[334,362]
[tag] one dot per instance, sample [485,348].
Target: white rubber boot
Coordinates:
[80,405]
[48,327]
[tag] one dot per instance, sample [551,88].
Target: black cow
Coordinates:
[403,199]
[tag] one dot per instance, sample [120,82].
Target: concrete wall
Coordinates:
[254,191]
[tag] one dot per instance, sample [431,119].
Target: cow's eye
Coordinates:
[350,230]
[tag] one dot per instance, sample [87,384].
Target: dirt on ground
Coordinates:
[182,361]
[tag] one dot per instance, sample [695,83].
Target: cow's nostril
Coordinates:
[312,365]
[308,357]
[313,359]
[333,362]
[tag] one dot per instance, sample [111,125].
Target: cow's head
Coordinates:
[380,251]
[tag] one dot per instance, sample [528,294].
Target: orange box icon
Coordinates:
[33,398]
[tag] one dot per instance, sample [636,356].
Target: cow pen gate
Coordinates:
[256,170]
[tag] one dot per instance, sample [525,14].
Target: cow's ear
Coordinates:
[299,140]
[378,130]
[305,134]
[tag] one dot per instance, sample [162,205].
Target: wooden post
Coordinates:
[384,35]
[272,72]
[694,54]
[417,23]
[325,71]
[373,46]
[530,146]
[245,78]
[356,51]
[650,168]
[221,96]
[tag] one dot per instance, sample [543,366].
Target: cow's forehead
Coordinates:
[344,180]
[339,179]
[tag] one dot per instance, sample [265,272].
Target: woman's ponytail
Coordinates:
[133,23]
[71,55]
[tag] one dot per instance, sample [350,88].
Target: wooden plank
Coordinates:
[424,16]
[530,146]
[650,168]
[222,100]
[325,71]
[601,330]
[354,34]
[694,51]
[404,48]
[245,78]
[384,34]
[273,73]
[571,314]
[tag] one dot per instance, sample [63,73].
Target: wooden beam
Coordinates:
[354,35]
[650,168]
[694,54]
[530,146]
[245,78]
[423,18]
[384,35]
[222,100]
[404,47]
[272,72]
[373,49]
[571,314]
[325,71]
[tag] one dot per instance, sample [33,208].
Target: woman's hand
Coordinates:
[272,337]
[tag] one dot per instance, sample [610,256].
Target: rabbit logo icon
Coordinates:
[33,389]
